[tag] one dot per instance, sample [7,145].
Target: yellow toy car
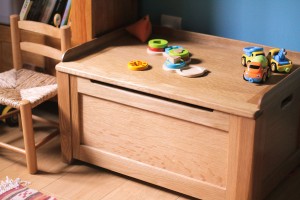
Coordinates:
[278,62]
[250,53]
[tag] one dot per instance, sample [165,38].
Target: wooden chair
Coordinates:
[24,89]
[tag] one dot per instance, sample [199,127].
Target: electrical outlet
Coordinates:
[171,21]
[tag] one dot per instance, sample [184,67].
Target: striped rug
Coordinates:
[17,190]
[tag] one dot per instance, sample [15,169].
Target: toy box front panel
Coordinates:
[138,136]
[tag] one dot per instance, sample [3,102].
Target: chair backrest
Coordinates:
[18,44]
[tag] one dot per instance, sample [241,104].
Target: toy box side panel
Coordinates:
[8,7]
[279,131]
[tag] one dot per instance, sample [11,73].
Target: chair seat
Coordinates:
[22,84]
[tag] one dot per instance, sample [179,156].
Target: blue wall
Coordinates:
[269,22]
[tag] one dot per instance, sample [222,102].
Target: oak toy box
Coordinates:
[212,137]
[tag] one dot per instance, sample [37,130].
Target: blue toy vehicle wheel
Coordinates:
[251,80]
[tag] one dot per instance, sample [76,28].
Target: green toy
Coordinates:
[183,53]
[158,43]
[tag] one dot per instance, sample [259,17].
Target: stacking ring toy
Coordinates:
[167,50]
[156,49]
[137,65]
[183,53]
[158,43]
[170,65]
[191,71]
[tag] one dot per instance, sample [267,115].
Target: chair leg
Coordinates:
[20,122]
[29,142]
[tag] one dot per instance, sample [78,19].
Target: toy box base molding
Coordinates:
[9,7]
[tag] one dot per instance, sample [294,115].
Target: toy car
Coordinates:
[278,61]
[258,70]
[250,53]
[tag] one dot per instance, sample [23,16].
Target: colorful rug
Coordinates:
[18,190]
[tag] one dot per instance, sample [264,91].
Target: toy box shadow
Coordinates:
[277,77]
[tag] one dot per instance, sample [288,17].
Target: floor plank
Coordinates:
[85,182]
[139,190]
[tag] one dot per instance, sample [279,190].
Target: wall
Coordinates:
[8,7]
[269,22]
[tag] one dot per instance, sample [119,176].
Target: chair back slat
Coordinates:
[41,28]
[41,49]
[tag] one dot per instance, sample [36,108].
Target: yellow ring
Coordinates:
[137,65]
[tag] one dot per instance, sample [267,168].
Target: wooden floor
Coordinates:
[87,182]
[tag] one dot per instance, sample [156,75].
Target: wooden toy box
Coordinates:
[213,137]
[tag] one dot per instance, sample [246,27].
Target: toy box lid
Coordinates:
[222,88]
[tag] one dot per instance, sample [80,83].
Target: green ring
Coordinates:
[183,54]
[158,43]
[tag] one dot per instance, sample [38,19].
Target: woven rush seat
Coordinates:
[18,85]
